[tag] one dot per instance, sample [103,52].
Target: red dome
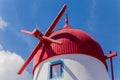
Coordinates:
[74,41]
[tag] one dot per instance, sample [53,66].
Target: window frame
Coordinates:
[55,63]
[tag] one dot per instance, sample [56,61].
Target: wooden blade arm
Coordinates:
[55,21]
[30,58]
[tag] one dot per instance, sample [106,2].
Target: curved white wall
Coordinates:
[76,67]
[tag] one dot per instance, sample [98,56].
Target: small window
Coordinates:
[56,69]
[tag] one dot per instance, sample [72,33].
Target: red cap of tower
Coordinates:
[73,41]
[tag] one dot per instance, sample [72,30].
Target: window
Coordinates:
[56,69]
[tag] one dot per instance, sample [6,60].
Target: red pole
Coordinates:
[112,71]
[110,56]
[111,63]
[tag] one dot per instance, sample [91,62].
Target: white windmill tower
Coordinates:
[67,54]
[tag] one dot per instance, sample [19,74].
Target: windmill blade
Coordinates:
[51,40]
[30,57]
[26,32]
[35,33]
[55,21]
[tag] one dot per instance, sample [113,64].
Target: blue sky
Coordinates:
[99,18]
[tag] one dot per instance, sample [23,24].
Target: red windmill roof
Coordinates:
[73,41]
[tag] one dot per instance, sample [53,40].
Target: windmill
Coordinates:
[43,38]
[67,54]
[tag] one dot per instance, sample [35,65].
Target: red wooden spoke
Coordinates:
[26,32]
[30,57]
[55,21]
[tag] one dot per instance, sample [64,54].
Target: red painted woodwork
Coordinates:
[110,56]
[55,21]
[113,54]
[36,34]
[30,57]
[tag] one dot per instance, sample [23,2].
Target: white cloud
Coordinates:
[9,65]
[1,47]
[3,24]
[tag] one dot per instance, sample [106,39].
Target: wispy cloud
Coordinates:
[92,9]
[9,64]
[3,23]
[91,20]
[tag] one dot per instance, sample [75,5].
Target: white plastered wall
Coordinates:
[76,67]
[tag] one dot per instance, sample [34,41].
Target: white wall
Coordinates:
[76,67]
